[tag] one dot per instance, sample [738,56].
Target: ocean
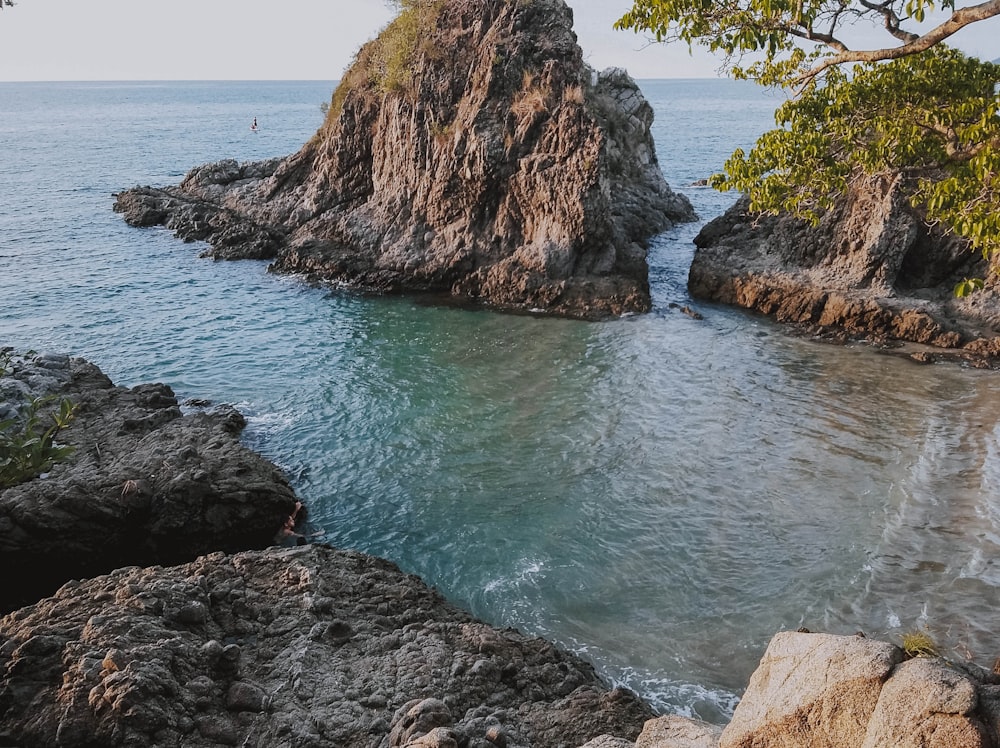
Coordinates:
[658,493]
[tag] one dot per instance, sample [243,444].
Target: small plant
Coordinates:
[27,447]
[968,286]
[440,131]
[573,95]
[919,644]
[531,100]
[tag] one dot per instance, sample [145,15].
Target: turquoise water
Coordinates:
[659,493]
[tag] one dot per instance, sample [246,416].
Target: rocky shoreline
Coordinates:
[148,618]
[308,645]
[871,270]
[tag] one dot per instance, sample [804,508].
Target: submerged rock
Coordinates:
[144,483]
[872,269]
[470,152]
[306,646]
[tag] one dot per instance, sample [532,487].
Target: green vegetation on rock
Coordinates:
[919,644]
[916,108]
[388,61]
[27,442]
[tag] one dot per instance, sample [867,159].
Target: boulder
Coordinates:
[608,741]
[927,702]
[469,152]
[811,689]
[871,269]
[303,645]
[672,731]
[144,483]
[827,691]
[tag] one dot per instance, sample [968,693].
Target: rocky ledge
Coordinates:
[144,483]
[468,152]
[312,646]
[305,646]
[872,269]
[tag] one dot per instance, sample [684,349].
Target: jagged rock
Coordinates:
[143,485]
[469,151]
[871,269]
[108,662]
[812,689]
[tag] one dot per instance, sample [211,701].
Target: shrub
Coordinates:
[919,644]
[531,99]
[395,51]
[27,445]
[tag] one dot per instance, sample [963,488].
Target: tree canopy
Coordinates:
[913,106]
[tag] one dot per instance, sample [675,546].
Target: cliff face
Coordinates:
[872,268]
[468,151]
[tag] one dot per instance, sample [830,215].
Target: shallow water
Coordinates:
[659,493]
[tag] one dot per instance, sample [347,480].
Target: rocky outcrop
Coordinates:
[850,692]
[826,691]
[468,152]
[144,483]
[872,269]
[305,646]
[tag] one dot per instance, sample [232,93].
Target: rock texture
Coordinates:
[468,152]
[144,485]
[671,731]
[825,691]
[830,691]
[872,269]
[306,646]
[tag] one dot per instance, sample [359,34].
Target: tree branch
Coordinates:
[892,20]
[959,20]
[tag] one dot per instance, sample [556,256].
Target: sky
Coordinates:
[55,40]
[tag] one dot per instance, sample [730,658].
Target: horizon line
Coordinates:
[285,80]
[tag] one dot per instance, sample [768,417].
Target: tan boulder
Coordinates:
[927,704]
[608,741]
[672,731]
[815,690]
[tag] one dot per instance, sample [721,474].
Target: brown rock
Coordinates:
[492,165]
[672,731]
[813,690]
[870,269]
[927,704]
[99,663]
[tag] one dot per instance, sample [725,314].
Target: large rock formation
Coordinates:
[468,152]
[871,269]
[144,483]
[304,646]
